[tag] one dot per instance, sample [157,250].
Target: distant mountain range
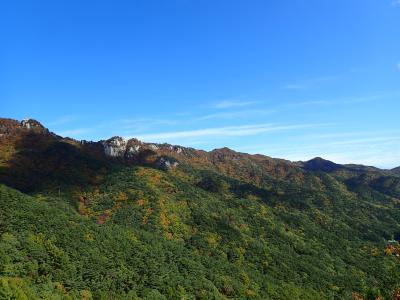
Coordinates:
[124,219]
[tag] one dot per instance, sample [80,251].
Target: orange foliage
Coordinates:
[164,220]
[102,218]
[392,250]
[152,176]
[148,212]
[83,210]
[396,294]
[356,296]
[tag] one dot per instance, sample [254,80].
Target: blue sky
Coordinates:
[291,79]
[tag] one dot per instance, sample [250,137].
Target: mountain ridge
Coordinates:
[120,219]
[118,146]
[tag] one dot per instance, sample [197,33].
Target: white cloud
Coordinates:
[310,83]
[341,101]
[398,64]
[62,120]
[229,104]
[244,130]
[354,134]
[387,160]
[145,122]
[396,3]
[376,147]
[373,151]
[74,132]
[236,114]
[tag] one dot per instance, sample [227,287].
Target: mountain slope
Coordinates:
[113,220]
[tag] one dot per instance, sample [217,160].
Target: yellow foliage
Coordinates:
[59,286]
[376,251]
[252,197]
[89,237]
[152,176]
[183,203]
[244,227]
[213,239]
[251,294]
[121,197]
[132,236]
[245,278]
[86,295]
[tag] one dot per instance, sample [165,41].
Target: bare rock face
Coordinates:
[115,146]
[32,125]
[153,147]
[166,163]
[133,150]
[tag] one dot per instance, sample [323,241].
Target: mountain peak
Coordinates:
[32,124]
[224,150]
[320,164]
[10,126]
[396,170]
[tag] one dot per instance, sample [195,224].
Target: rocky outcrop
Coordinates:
[133,150]
[153,147]
[9,127]
[119,147]
[166,163]
[33,125]
[115,146]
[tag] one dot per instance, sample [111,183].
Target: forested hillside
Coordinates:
[123,219]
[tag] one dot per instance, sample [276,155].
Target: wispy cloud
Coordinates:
[356,134]
[62,120]
[386,159]
[236,114]
[75,133]
[396,3]
[342,101]
[230,104]
[374,148]
[230,131]
[146,122]
[309,83]
[306,103]
[398,64]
